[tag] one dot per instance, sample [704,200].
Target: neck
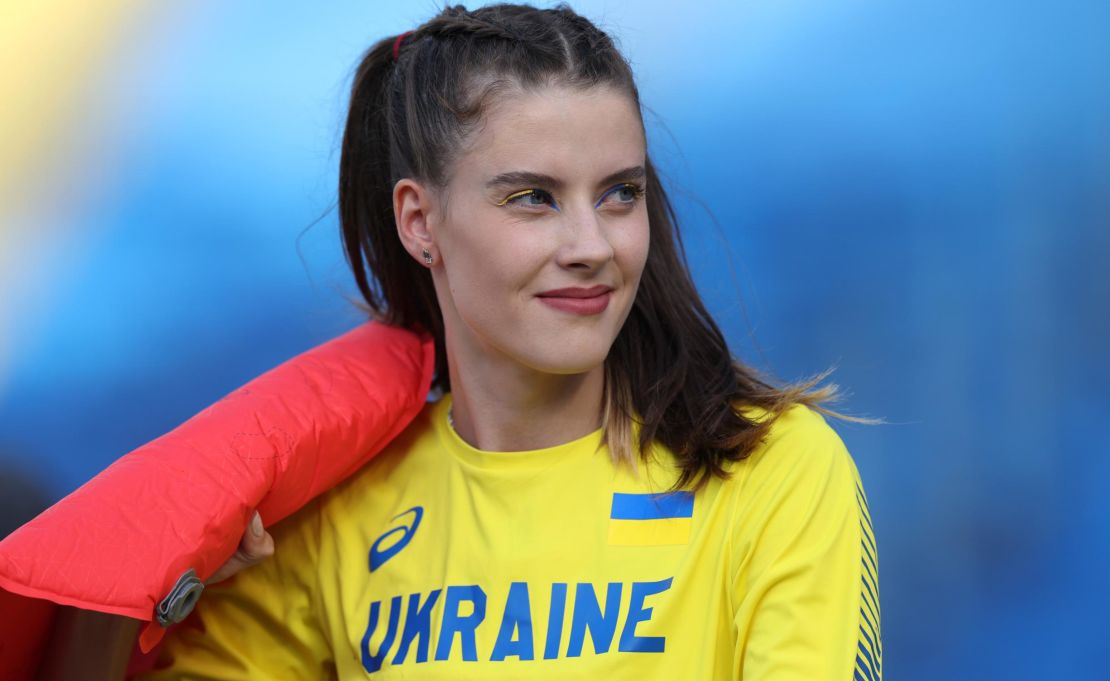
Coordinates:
[500,405]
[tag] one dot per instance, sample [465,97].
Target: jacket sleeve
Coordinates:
[805,567]
[262,623]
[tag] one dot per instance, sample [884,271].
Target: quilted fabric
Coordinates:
[120,542]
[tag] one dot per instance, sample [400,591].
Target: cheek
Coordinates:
[488,277]
[632,251]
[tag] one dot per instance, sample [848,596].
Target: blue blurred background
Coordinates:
[917,193]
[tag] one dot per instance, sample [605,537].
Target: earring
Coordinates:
[428,259]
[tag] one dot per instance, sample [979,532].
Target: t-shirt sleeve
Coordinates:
[804,563]
[262,623]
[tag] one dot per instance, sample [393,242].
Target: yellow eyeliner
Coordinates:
[524,192]
[510,197]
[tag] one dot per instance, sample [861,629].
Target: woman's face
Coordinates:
[547,195]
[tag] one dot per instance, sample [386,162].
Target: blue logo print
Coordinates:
[379,556]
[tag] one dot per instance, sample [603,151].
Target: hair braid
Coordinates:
[458,21]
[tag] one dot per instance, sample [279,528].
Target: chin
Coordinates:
[568,359]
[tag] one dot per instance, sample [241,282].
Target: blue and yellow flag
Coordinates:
[651,519]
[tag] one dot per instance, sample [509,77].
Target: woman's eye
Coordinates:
[530,197]
[626,193]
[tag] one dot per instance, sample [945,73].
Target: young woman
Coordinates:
[601,489]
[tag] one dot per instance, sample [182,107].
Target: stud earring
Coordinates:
[428,259]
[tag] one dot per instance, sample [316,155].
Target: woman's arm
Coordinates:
[95,646]
[89,645]
[263,624]
[805,563]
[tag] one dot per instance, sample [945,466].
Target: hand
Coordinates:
[256,545]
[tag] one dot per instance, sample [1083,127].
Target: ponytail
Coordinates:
[400,292]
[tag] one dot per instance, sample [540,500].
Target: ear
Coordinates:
[413,205]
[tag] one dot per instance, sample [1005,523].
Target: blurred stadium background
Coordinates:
[917,193]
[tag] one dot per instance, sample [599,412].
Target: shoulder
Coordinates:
[802,556]
[796,496]
[366,494]
[798,438]
[384,475]
[416,441]
[801,463]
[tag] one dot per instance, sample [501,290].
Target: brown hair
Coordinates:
[669,366]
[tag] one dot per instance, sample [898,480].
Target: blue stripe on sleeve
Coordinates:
[652,506]
[869,646]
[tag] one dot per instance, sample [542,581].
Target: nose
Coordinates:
[586,244]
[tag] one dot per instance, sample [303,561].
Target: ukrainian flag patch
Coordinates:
[651,519]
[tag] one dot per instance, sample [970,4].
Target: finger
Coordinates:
[256,543]
[253,548]
[241,560]
[226,570]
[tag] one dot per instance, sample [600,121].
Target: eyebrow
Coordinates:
[524,177]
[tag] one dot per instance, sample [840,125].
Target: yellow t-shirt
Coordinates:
[441,561]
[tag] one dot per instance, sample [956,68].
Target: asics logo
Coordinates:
[393,545]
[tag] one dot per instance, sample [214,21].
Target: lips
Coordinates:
[578,300]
